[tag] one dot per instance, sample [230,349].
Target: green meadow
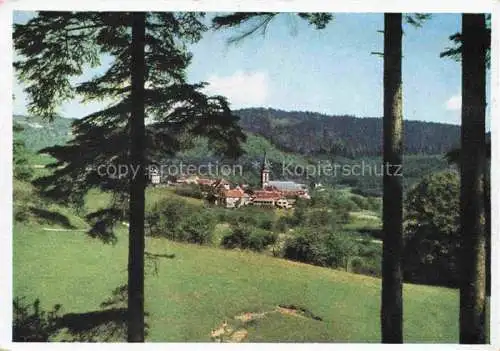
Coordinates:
[190,290]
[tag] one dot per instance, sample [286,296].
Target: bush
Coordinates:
[239,237]
[261,239]
[370,250]
[252,216]
[342,204]
[299,215]
[317,217]
[165,217]
[306,247]
[357,264]
[22,169]
[322,248]
[180,221]
[282,224]
[366,267]
[432,242]
[336,201]
[341,247]
[196,229]
[221,214]
[266,223]
[277,247]
[322,217]
[241,217]
[245,237]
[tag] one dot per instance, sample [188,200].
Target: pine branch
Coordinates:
[262,21]
[80,28]
[50,56]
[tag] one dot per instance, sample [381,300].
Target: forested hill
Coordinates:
[297,137]
[310,133]
[39,133]
[304,133]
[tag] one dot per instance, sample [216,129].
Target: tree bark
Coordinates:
[487,222]
[137,184]
[473,252]
[392,306]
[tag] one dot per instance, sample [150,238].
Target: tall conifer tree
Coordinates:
[472,48]
[391,313]
[145,79]
[473,152]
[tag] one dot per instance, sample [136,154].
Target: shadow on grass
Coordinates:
[31,323]
[109,324]
[153,256]
[52,217]
[118,297]
[95,326]
[102,224]
[152,261]
[106,325]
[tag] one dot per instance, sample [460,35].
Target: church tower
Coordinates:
[264,173]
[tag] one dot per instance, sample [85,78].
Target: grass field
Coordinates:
[363,220]
[96,199]
[190,289]
[195,288]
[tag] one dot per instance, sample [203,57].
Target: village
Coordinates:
[221,192]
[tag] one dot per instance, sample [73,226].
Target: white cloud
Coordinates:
[242,89]
[454,103]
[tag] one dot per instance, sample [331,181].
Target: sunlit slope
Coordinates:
[191,290]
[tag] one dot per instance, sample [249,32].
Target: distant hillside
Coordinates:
[294,138]
[304,133]
[310,133]
[39,133]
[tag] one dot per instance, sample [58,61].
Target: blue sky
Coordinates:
[296,67]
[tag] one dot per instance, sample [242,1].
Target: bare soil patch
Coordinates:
[227,333]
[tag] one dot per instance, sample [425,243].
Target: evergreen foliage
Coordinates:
[65,44]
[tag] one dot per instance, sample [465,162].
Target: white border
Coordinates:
[261,5]
[434,6]
[6,72]
[495,178]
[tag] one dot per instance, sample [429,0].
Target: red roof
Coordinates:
[260,195]
[205,181]
[238,193]
[267,194]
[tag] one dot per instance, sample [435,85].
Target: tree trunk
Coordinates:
[487,232]
[487,222]
[137,184]
[473,259]
[392,307]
